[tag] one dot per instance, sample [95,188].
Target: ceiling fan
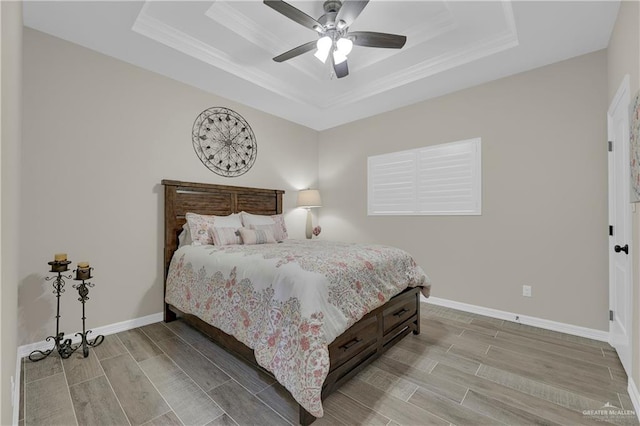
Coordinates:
[336,41]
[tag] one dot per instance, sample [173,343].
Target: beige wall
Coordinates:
[10,123]
[102,134]
[99,136]
[623,57]
[544,212]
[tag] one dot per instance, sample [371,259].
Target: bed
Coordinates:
[365,339]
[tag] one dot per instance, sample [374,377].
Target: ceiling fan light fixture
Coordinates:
[338,57]
[344,46]
[324,46]
[322,55]
[333,29]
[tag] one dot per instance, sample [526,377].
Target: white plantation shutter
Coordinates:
[392,183]
[435,180]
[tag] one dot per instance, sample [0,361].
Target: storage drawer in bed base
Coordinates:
[350,352]
[348,369]
[394,335]
[343,369]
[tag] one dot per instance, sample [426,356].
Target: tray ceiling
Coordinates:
[226,47]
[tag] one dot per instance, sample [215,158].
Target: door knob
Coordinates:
[624,248]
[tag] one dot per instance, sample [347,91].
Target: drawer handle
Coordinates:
[350,343]
[401,312]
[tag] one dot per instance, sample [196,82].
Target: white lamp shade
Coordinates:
[309,198]
[324,46]
[324,43]
[338,57]
[344,46]
[322,55]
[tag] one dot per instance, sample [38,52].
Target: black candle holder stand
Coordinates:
[83,291]
[62,345]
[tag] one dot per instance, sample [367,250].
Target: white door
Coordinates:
[620,275]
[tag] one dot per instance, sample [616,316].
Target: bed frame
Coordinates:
[350,352]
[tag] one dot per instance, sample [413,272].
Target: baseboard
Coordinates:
[15,403]
[634,394]
[575,330]
[104,330]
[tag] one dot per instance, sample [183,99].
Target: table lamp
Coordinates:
[308,199]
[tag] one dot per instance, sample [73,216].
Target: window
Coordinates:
[441,179]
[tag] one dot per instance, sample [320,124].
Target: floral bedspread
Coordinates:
[289,301]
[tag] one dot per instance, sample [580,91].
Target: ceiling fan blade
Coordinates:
[341,69]
[293,13]
[371,39]
[350,10]
[303,48]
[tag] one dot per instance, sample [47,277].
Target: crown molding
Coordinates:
[157,30]
[505,40]
[225,14]
[229,17]
[428,68]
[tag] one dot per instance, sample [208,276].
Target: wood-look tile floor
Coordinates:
[464,369]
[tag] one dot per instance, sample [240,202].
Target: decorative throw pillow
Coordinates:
[273,222]
[269,228]
[199,226]
[256,236]
[223,236]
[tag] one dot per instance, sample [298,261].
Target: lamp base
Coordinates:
[309,229]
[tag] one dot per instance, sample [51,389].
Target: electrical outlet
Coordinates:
[526,290]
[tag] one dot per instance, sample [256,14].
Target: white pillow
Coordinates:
[255,219]
[200,225]
[184,237]
[275,223]
[229,221]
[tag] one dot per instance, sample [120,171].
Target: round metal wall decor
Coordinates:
[224,142]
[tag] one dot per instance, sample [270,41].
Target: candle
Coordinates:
[83,272]
[60,257]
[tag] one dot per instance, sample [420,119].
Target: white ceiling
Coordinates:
[226,47]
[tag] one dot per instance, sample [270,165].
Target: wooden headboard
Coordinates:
[204,198]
